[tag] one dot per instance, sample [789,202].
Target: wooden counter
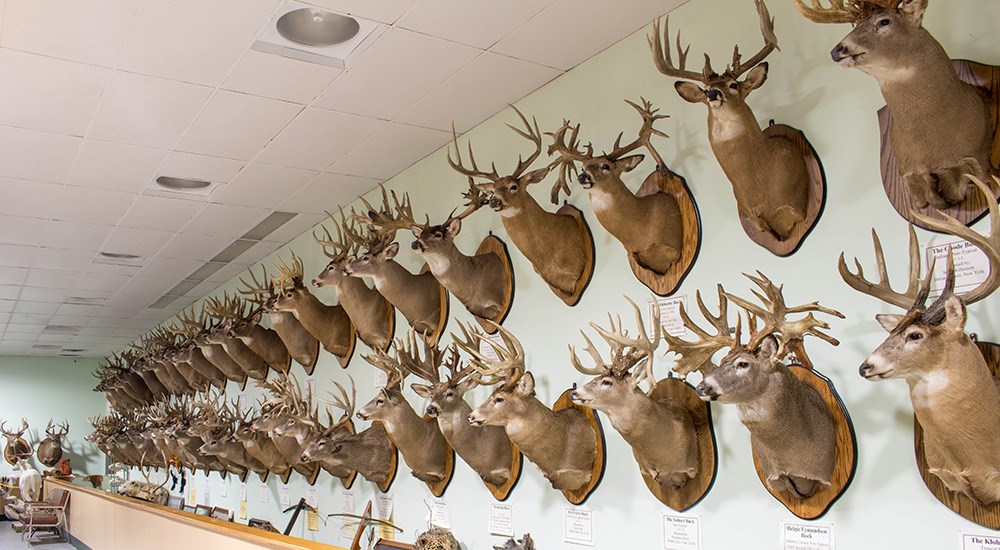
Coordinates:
[104,521]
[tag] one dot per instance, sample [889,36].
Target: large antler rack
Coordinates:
[625,352]
[697,355]
[843,11]
[342,246]
[288,275]
[663,59]
[408,356]
[344,401]
[388,364]
[508,367]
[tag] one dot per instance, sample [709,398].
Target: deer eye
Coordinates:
[914,336]
[512,188]
[734,86]
[742,364]
[498,400]
[449,394]
[606,167]
[605,382]
[884,22]
[380,401]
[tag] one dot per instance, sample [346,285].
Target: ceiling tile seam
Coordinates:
[57,58]
[537,64]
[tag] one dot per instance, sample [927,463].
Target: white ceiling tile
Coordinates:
[226,273]
[295,227]
[31,198]
[19,230]
[12,275]
[193,40]
[136,299]
[13,255]
[465,100]
[205,168]
[51,95]
[115,166]
[318,137]
[143,110]
[390,151]
[24,306]
[161,213]
[203,289]
[91,32]
[26,329]
[10,292]
[7,306]
[236,125]
[33,319]
[103,282]
[277,77]
[81,204]
[51,278]
[385,11]
[78,236]
[151,314]
[144,242]
[62,258]
[150,285]
[169,268]
[327,192]
[480,24]
[260,250]
[263,185]
[567,32]
[194,247]
[44,294]
[393,74]
[78,309]
[224,220]
[39,156]
[69,321]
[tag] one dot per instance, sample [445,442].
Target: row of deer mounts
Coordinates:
[802,439]
[953,382]
[938,124]
[776,177]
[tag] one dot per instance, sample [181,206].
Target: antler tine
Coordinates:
[458,165]
[390,218]
[642,347]
[339,246]
[697,355]
[474,200]
[770,42]
[883,290]
[387,364]
[838,12]
[646,131]
[989,243]
[346,402]
[509,367]
[409,358]
[662,55]
[531,134]
[257,289]
[600,367]
[568,154]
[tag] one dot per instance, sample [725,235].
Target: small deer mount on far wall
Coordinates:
[658,225]
[50,450]
[940,119]
[776,176]
[802,439]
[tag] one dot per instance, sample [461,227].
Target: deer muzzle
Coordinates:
[496,203]
[418,246]
[585,180]
[707,391]
[843,55]
[433,410]
[475,420]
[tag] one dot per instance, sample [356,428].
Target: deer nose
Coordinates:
[713,95]
[432,410]
[839,53]
[706,390]
[495,203]
[864,369]
[584,178]
[317,283]
[304,457]
[416,245]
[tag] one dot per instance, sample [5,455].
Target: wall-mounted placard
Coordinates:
[681,532]
[970,541]
[439,515]
[971,264]
[284,495]
[501,519]
[670,313]
[384,504]
[806,536]
[578,526]
[262,494]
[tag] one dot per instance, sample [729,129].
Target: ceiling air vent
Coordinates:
[61,329]
[46,346]
[85,301]
[309,34]
[117,258]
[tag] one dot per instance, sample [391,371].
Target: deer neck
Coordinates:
[632,416]
[320,320]
[612,201]
[526,208]
[448,264]
[408,430]
[959,384]
[455,423]
[919,87]
[782,398]
[533,428]
[733,126]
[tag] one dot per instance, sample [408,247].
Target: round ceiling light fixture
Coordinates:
[317,28]
[181,184]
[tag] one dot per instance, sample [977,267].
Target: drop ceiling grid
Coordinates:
[78,177]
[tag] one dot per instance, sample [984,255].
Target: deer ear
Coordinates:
[629,163]
[416,229]
[954,314]
[454,226]
[536,176]
[913,10]
[526,385]
[769,348]
[464,386]
[756,77]
[689,91]
[422,390]
[391,251]
[888,321]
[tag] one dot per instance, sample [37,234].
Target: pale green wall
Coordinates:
[43,388]
[887,505]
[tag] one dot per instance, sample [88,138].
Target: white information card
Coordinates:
[971,265]
[806,536]
[578,526]
[681,532]
[979,542]
[670,313]
[439,514]
[501,519]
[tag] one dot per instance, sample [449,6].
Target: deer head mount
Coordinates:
[792,429]
[767,169]
[941,126]
[558,245]
[486,449]
[643,421]
[420,298]
[372,315]
[650,224]
[50,449]
[419,439]
[300,343]
[561,443]
[952,390]
[17,448]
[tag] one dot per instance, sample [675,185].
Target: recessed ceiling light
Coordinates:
[181,184]
[118,258]
[317,28]
[119,255]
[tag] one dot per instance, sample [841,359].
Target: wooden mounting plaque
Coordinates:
[312,477]
[817,195]
[672,184]
[987,516]
[287,475]
[243,382]
[845,461]
[588,267]
[438,489]
[390,322]
[309,368]
[18,448]
[974,207]
[445,311]
[394,465]
[680,392]
[243,477]
[579,497]
[263,476]
[348,481]
[501,492]
[494,245]
[352,343]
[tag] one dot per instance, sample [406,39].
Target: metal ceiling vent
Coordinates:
[317,36]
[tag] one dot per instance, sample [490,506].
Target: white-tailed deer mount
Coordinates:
[329,324]
[420,298]
[265,342]
[776,177]
[17,447]
[373,316]
[486,449]
[941,127]
[300,343]
[484,283]
[566,444]
[418,439]
[657,225]
[670,436]
[953,388]
[50,449]
[559,245]
[803,443]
